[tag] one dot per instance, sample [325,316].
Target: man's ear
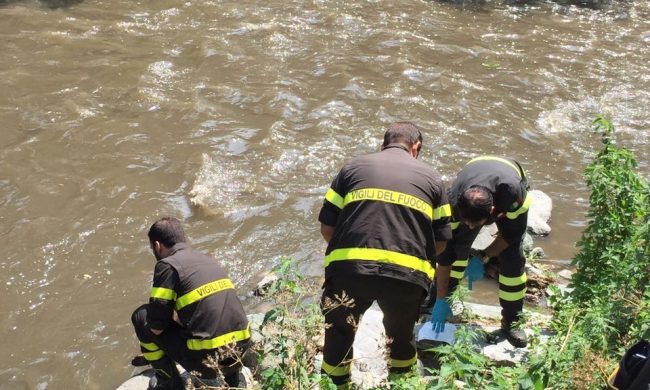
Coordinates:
[415,149]
[156,246]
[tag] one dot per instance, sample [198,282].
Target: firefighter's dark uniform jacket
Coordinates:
[388,210]
[205,299]
[506,181]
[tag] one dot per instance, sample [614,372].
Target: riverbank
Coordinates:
[604,311]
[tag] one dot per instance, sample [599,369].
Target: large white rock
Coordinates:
[539,213]
[369,367]
[485,236]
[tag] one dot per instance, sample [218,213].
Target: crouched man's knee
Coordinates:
[139,319]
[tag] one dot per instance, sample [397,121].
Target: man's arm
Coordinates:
[440,247]
[443,273]
[511,232]
[163,296]
[496,247]
[327,231]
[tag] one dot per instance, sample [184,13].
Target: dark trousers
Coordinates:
[171,346]
[398,300]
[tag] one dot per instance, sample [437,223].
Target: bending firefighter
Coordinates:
[487,190]
[384,218]
[193,314]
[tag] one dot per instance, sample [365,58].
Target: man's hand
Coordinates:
[176,319]
[439,314]
[327,231]
[475,270]
[157,332]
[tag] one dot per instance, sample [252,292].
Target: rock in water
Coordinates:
[539,213]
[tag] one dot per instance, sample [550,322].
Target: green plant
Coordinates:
[291,331]
[608,305]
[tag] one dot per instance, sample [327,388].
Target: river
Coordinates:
[235,115]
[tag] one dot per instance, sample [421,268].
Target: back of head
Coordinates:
[168,231]
[475,204]
[406,133]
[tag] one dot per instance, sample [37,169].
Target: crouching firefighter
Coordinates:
[487,190]
[384,217]
[193,314]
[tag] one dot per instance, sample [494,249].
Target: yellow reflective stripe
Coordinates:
[457,274]
[460,263]
[403,363]
[389,196]
[334,198]
[516,281]
[203,291]
[494,158]
[163,293]
[524,207]
[340,370]
[382,256]
[152,356]
[149,346]
[512,296]
[612,376]
[443,211]
[454,225]
[220,341]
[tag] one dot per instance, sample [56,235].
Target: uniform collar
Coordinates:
[178,247]
[398,146]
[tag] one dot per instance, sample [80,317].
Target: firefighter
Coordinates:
[487,190]
[384,217]
[193,313]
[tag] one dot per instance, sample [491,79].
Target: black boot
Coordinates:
[166,376]
[514,334]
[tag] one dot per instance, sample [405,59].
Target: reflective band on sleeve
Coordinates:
[454,225]
[204,291]
[460,263]
[149,346]
[153,356]
[493,158]
[524,208]
[219,341]
[334,198]
[163,293]
[382,256]
[443,211]
[340,370]
[512,296]
[388,196]
[457,274]
[516,281]
[403,363]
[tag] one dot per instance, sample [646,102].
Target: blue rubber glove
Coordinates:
[439,314]
[475,270]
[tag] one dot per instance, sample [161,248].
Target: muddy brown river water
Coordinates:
[235,115]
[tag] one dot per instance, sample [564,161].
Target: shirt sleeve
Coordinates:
[512,230]
[507,197]
[333,202]
[441,220]
[163,296]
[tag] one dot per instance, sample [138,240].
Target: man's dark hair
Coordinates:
[475,204]
[407,133]
[167,230]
